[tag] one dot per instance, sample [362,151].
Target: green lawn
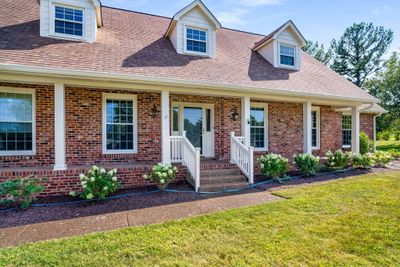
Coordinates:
[344,222]
[388,145]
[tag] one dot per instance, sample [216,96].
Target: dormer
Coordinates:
[75,20]
[282,47]
[192,30]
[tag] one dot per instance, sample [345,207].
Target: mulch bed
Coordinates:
[75,210]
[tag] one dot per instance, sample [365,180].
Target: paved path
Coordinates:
[19,235]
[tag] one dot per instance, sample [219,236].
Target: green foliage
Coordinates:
[384,135]
[162,175]
[382,158]
[98,183]
[307,164]
[364,143]
[358,52]
[394,153]
[363,161]
[318,51]
[20,192]
[273,165]
[338,160]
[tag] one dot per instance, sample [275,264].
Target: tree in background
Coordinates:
[358,52]
[318,51]
[386,86]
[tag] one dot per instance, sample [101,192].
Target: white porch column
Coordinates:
[165,133]
[59,131]
[307,120]
[246,120]
[355,129]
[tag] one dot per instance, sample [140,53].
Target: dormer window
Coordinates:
[196,40]
[68,21]
[286,55]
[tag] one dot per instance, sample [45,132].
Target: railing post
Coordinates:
[197,175]
[251,165]
[232,148]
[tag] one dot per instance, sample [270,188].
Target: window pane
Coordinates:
[208,120]
[257,117]
[68,21]
[119,129]
[196,40]
[15,136]
[287,60]
[346,130]
[314,129]
[175,119]
[257,127]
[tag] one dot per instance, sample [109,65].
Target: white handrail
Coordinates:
[183,151]
[242,156]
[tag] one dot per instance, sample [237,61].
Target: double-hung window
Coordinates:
[346,131]
[68,20]
[315,128]
[258,127]
[286,55]
[196,40]
[17,122]
[119,124]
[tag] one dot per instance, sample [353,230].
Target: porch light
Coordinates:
[154,111]
[235,114]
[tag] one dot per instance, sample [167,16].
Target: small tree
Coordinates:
[364,143]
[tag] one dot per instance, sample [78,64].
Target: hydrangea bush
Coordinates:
[162,175]
[307,164]
[338,160]
[273,165]
[363,161]
[98,183]
[382,158]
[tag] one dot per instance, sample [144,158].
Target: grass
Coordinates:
[345,222]
[388,145]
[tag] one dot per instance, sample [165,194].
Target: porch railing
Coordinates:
[242,156]
[183,151]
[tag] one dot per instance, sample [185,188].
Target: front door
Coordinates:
[197,121]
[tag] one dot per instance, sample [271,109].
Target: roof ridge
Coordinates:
[243,31]
[137,12]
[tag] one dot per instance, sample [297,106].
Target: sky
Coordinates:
[317,20]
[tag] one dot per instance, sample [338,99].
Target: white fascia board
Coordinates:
[116,77]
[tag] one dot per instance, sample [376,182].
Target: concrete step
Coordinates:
[219,172]
[223,179]
[222,186]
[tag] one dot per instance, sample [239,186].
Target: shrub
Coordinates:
[273,165]
[98,183]
[363,161]
[162,175]
[397,135]
[382,158]
[384,135]
[338,160]
[307,164]
[20,192]
[364,143]
[395,154]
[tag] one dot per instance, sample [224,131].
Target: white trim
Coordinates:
[165,131]
[266,125]
[355,129]
[52,18]
[17,90]
[173,82]
[318,110]
[132,97]
[59,127]
[307,125]
[246,106]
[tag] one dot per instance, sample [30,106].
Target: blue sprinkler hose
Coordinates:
[172,191]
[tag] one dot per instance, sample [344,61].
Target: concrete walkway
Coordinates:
[19,235]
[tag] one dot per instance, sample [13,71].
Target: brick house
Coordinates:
[84,84]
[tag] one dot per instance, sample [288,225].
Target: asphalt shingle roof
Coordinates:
[134,43]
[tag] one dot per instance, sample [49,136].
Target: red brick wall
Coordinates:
[367,124]
[223,124]
[84,127]
[44,129]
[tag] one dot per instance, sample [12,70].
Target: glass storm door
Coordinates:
[193,125]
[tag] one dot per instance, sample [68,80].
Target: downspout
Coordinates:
[374,122]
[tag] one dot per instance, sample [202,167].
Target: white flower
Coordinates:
[162,181]
[115,178]
[82,177]
[92,179]
[114,171]
[164,174]
[102,171]
[170,172]
[110,173]
[105,188]
[83,183]
[89,196]
[95,168]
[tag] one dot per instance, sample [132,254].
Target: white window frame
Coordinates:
[294,46]
[351,129]
[318,110]
[186,26]
[107,96]
[23,152]
[266,124]
[67,4]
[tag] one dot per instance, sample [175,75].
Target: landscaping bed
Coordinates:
[146,197]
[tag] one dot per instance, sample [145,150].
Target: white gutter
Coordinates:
[90,75]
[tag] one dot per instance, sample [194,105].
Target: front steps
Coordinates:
[218,176]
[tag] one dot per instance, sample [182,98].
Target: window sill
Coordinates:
[17,154]
[119,152]
[349,146]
